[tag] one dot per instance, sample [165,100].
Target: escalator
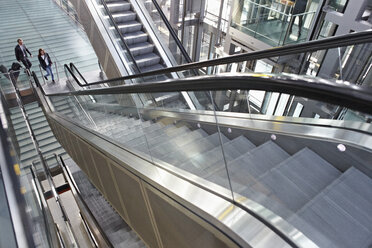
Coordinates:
[139,43]
[128,41]
[294,171]
[135,42]
[232,172]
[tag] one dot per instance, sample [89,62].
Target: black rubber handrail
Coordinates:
[172,32]
[120,35]
[311,46]
[74,68]
[342,94]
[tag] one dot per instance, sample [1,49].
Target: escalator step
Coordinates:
[116,7]
[247,168]
[135,37]
[123,17]
[154,68]
[147,60]
[340,212]
[129,27]
[141,48]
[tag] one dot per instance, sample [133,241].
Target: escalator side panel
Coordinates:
[178,229]
[148,204]
[134,202]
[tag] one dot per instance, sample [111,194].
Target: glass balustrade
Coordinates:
[163,33]
[267,151]
[272,22]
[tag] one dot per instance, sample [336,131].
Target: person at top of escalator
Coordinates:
[46,63]
[21,54]
[298,9]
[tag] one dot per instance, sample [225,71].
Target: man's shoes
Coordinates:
[45,77]
[53,81]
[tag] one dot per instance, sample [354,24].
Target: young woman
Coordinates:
[46,63]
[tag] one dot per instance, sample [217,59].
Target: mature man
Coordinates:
[21,54]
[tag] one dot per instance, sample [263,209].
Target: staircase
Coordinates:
[136,37]
[332,208]
[42,24]
[47,142]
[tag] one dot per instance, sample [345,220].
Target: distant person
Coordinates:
[46,63]
[298,9]
[21,54]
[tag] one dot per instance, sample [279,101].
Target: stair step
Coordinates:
[116,7]
[162,135]
[129,27]
[245,169]
[147,60]
[123,17]
[308,171]
[201,163]
[135,37]
[154,68]
[190,149]
[344,221]
[174,144]
[141,48]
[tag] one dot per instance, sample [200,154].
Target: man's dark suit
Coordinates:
[20,56]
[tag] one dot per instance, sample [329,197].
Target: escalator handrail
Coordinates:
[69,70]
[311,46]
[120,35]
[172,32]
[335,92]
[74,68]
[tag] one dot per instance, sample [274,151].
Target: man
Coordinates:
[21,54]
[298,10]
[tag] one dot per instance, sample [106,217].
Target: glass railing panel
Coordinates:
[31,213]
[152,126]
[296,163]
[260,104]
[5,83]
[21,78]
[114,116]
[7,235]
[276,23]
[348,63]
[186,146]
[273,153]
[163,33]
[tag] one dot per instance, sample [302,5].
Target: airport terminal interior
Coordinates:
[186,123]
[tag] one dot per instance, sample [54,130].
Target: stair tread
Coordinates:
[344,221]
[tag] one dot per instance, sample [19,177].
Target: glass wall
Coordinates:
[274,22]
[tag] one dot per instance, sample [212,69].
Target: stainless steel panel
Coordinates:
[134,202]
[103,169]
[69,144]
[93,170]
[233,221]
[180,228]
[83,150]
[86,164]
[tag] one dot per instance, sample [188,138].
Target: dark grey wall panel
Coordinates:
[134,202]
[181,230]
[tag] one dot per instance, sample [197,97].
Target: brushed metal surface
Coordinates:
[134,202]
[230,219]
